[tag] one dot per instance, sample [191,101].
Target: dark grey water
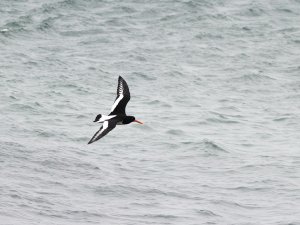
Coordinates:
[217,84]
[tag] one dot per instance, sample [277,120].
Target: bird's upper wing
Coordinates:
[123,97]
[104,130]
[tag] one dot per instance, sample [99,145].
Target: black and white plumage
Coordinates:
[117,115]
[123,97]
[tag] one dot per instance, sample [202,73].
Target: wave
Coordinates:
[48,14]
[204,212]
[210,145]
[159,103]
[224,118]
[252,78]
[143,76]
[205,146]
[215,120]
[175,132]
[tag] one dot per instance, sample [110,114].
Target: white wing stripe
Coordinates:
[117,102]
[104,118]
[104,127]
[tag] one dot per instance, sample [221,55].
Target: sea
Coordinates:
[216,83]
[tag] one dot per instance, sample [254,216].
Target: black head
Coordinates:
[130,119]
[98,117]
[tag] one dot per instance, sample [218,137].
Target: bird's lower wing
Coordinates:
[104,130]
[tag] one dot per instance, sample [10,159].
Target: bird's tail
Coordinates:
[98,117]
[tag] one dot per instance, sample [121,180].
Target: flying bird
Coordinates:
[117,115]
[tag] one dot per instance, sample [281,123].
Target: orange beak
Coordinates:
[138,122]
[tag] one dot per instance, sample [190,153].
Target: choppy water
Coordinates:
[217,84]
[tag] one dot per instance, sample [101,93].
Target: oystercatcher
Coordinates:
[117,115]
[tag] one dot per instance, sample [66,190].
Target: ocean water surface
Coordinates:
[217,84]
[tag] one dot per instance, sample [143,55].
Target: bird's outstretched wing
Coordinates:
[123,97]
[104,130]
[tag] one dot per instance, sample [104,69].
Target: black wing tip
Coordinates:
[121,79]
[91,141]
